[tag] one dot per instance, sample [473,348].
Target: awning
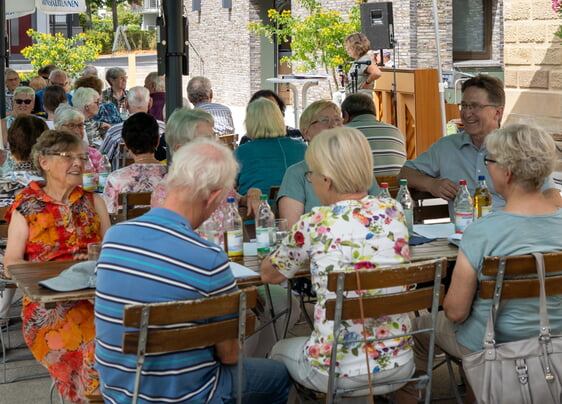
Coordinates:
[19,8]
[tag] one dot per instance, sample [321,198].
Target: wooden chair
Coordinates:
[154,334]
[230,140]
[392,181]
[345,308]
[133,204]
[425,211]
[124,157]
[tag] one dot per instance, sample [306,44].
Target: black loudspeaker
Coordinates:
[377,24]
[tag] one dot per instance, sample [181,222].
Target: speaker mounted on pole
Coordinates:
[377,23]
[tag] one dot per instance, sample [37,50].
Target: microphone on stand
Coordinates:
[362,62]
[340,72]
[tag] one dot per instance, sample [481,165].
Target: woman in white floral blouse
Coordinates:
[350,232]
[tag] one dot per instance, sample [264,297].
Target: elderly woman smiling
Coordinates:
[351,231]
[87,100]
[51,221]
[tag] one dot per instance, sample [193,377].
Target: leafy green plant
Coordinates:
[557,8]
[317,40]
[68,54]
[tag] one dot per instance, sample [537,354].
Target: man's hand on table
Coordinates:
[444,188]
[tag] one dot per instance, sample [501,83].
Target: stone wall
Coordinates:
[533,59]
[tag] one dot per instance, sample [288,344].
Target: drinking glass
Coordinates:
[281,230]
[94,250]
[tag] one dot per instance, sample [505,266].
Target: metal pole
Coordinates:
[439,71]
[3,59]
[173,12]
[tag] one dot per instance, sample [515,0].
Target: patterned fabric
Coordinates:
[92,131]
[222,115]
[350,235]
[157,257]
[95,157]
[62,338]
[133,178]
[107,97]
[9,101]
[108,113]
[13,182]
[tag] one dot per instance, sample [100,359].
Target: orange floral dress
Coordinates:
[62,338]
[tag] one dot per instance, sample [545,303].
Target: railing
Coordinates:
[147,5]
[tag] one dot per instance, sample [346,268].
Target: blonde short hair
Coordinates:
[342,154]
[264,120]
[201,167]
[527,151]
[313,109]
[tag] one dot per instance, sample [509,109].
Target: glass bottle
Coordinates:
[464,208]
[482,198]
[89,176]
[265,221]
[384,192]
[104,171]
[407,203]
[233,236]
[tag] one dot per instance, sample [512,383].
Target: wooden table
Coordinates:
[28,275]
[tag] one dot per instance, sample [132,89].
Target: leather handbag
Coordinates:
[525,371]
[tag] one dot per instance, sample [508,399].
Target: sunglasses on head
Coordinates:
[26,102]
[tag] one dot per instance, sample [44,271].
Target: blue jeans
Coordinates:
[264,381]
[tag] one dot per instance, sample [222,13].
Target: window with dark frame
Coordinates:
[472,29]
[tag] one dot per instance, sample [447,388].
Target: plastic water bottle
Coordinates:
[384,192]
[104,171]
[209,230]
[407,203]
[265,222]
[482,198]
[464,208]
[89,176]
[233,236]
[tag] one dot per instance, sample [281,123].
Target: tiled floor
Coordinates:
[37,390]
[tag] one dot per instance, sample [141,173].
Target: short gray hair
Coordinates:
[201,167]
[84,96]
[24,90]
[180,128]
[114,73]
[9,71]
[158,81]
[65,114]
[527,151]
[138,98]
[199,89]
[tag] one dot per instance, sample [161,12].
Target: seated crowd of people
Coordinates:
[326,173]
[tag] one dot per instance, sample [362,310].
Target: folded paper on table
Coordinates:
[417,240]
[240,271]
[438,230]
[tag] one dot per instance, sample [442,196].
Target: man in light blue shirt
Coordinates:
[461,156]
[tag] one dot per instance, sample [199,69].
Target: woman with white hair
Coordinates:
[264,160]
[351,231]
[72,120]
[87,100]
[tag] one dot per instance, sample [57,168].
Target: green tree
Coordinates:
[317,40]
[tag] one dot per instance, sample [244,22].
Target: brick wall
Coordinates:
[533,59]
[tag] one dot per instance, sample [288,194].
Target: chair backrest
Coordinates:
[392,181]
[125,158]
[425,210]
[133,204]
[3,223]
[518,281]
[345,308]
[230,140]
[155,336]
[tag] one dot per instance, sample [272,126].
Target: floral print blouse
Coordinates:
[350,235]
[134,178]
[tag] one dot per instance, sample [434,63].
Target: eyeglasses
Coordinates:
[475,107]
[328,121]
[487,161]
[69,156]
[19,102]
[75,125]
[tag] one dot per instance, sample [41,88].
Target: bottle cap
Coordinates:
[263,197]
[462,182]
[384,184]
[403,182]
[230,200]
[481,178]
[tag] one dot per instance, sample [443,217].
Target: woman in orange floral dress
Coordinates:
[50,221]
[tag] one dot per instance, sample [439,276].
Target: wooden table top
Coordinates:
[28,275]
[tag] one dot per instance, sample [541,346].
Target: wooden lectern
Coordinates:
[417,103]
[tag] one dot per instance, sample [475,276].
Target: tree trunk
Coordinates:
[88,15]
[114,12]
